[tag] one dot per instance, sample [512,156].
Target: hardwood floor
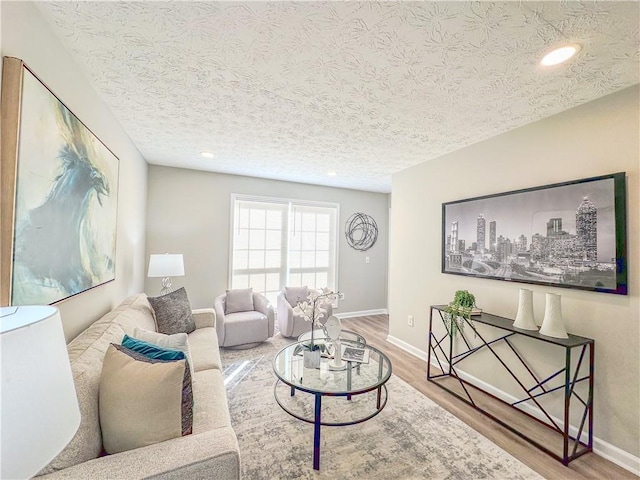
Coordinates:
[413,370]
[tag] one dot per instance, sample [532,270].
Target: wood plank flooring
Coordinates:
[413,370]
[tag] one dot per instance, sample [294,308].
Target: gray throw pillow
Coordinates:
[239,300]
[296,294]
[173,313]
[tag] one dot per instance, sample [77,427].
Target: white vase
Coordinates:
[524,317]
[337,363]
[311,358]
[552,325]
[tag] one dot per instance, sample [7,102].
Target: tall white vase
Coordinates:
[524,317]
[552,324]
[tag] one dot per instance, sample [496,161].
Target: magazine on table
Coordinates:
[354,354]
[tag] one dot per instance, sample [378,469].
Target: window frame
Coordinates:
[290,204]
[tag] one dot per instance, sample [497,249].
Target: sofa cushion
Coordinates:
[177,341]
[86,352]
[239,300]
[142,400]
[138,313]
[204,347]
[173,312]
[210,410]
[296,294]
[245,327]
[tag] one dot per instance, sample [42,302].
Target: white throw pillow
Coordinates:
[177,341]
[142,401]
[239,300]
[296,294]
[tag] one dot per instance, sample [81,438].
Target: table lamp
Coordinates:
[40,413]
[166,266]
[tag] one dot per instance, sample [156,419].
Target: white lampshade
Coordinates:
[40,413]
[166,265]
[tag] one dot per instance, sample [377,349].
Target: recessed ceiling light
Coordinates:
[559,55]
[332,174]
[207,154]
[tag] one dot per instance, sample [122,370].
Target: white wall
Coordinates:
[597,138]
[189,212]
[26,35]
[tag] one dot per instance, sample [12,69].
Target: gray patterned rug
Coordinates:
[412,438]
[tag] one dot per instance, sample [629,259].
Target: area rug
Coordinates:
[412,438]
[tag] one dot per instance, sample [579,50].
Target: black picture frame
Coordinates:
[570,235]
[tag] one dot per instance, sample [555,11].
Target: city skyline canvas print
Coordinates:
[571,234]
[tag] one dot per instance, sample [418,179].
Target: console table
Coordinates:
[534,389]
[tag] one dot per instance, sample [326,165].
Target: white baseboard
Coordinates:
[416,352]
[617,455]
[604,449]
[361,313]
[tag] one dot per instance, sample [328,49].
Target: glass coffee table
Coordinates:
[320,334]
[355,379]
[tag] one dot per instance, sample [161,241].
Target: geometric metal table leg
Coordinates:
[567,406]
[316,433]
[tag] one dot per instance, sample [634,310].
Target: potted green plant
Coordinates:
[458,310]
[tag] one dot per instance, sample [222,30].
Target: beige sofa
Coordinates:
[211,451]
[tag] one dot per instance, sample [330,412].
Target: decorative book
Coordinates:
[355,354]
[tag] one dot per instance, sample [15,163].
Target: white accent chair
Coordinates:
[243,323]
[290,324]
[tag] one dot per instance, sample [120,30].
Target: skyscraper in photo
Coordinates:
[481,233]
[522,243]
[492,236]
[454,237]
[587,229]
[554,227]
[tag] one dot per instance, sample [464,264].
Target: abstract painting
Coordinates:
[570,234]
[65,192]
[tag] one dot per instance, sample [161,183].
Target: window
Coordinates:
[278,242]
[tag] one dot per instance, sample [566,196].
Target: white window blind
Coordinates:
[278,242]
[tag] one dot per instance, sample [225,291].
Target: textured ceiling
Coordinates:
[292,90]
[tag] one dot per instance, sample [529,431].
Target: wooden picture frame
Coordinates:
[59,196]
[570,235]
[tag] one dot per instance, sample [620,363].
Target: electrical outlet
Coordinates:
[341,295]
[410,320]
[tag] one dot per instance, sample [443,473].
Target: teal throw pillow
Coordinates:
[150,350]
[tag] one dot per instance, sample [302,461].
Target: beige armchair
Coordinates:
[244,318]
[290,324]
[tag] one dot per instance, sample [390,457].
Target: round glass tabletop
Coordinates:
[319,333]
[355,378]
